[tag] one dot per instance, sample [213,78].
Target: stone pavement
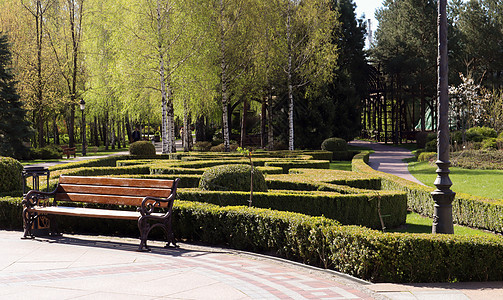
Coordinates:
[82,267]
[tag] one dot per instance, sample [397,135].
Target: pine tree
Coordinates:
[14,129]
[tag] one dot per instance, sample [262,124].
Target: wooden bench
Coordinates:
[68,151]
[145,194]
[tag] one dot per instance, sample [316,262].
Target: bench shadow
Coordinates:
[131,245]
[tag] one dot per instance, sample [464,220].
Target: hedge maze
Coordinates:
[328,218]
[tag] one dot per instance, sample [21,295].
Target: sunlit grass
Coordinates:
[484,183]
[419,224]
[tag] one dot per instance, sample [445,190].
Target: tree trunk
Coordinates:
[270,129]
[55,130]
[223,69]
[290,86]
[243,123]
[128,129]
[263,121]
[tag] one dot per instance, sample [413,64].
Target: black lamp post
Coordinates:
[443,196]
[82,108]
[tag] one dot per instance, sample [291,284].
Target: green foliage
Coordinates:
[287,165]
[478,159]
[142,148]
[47,152]
[489,144]
[359,208]
[427,156]
[334,144]
[478,134]
[232,178]
[15,131]
[431,146]
[10,175]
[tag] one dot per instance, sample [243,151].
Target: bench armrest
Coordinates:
[33,197]
[149,203]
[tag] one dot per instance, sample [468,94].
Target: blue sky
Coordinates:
[368,8]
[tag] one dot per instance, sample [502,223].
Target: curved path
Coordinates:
[388,159]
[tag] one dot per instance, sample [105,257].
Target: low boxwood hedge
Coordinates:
[101,171]
[362,209]
[468,210]
[361,252]
[292,164]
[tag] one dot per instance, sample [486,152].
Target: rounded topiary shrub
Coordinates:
[142,148]
[334,144]
[10,175]
[232,178]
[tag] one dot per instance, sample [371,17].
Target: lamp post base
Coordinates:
[442,215]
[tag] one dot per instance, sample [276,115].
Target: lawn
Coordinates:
[484,183]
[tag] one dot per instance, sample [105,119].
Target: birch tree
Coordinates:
[305,44]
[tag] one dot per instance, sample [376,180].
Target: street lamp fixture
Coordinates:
[82,108]
[443,196]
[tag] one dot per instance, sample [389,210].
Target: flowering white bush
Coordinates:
[468,103]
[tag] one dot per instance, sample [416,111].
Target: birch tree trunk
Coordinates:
[225,96]
[166,134]
[289,73]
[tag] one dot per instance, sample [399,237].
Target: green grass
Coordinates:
[341,165]
[419,224]
[484,183]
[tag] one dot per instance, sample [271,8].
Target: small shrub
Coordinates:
[417,152]
[232,178]
[334,144]
[426,156]
[221,148]
[431,146]
[142,148]
[490,144]
[202,146]
[47,152]
[478,134]
[10,175]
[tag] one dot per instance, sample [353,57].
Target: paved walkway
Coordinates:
[388,159]
[82,267]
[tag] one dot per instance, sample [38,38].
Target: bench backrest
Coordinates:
[107,190]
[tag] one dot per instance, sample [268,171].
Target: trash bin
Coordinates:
[35,173]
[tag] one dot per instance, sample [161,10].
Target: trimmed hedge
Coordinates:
[232,178]
[291,164]
[361,209]
[361,252]
[101,171]
[468,210]
[351,179]
[10,175]
[142,148]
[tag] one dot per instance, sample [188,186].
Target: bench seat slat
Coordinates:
[109,181]
[88,212]
[114,190]
[102,199]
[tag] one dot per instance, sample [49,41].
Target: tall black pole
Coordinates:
[443,196]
